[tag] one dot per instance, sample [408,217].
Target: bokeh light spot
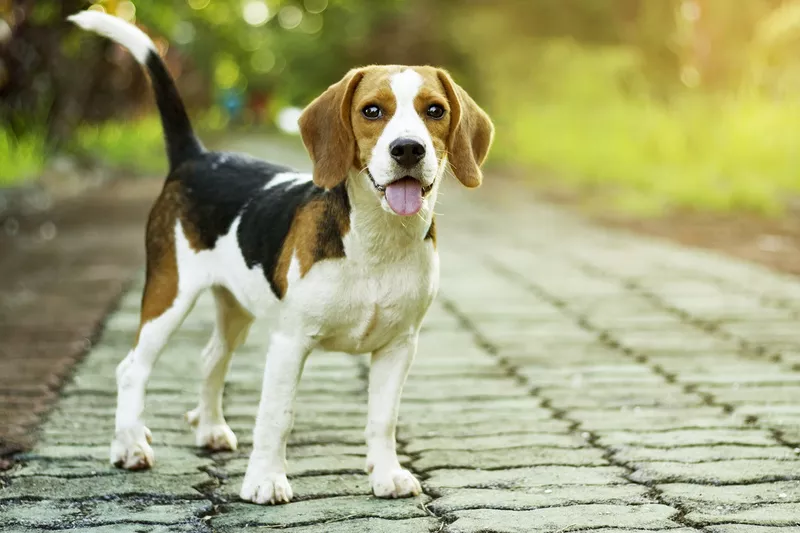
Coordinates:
[255,12]
[98,8]
[287,119]
[315,6]
[184,32]
[198,4]
[126,11]
[312,23]
[263,60]
[290,17]
[226,73]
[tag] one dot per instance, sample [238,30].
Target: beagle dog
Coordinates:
[348,253]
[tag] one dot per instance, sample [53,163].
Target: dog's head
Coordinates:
[396,127]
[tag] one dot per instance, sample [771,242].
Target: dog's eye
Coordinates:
[435,111]
[372,112]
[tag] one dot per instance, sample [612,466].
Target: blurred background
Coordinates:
[684,112]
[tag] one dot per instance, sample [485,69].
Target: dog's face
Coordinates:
[396,128]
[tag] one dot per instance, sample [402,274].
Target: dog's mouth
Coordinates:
[404,195]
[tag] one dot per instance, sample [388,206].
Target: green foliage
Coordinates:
[21,159]
[133,146]
[292,63]
[695,150]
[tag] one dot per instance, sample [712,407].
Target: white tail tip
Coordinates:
[118,30]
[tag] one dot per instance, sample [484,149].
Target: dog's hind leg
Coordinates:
[131,446]
[166,301]
[233,323]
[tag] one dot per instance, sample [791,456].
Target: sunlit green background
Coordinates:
[658,104]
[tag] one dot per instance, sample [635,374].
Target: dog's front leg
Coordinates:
[387,375]
[265,480]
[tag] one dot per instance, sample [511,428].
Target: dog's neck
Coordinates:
[381,235]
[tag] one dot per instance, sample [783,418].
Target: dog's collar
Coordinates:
[382,188]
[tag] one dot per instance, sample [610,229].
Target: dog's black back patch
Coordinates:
[218,187]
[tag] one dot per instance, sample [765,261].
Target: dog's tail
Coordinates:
[182,143]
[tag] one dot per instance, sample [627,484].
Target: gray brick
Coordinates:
[687,437]
[499,426]
[525,478]
[718,472]
[550,496]
[630,397]
[494,442]
[509,458]
[324,486]
[118,528]
[239,515]
[654,419]
[700,454]
[691,495]
[134,483]
[563,519]
[301,466]
[777,514]
[361,525]
[51,514]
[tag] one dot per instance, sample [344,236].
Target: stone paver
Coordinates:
[570,378]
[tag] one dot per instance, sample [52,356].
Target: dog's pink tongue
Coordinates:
[405,196]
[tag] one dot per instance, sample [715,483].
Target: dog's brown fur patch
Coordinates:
[161,279]
[315,234]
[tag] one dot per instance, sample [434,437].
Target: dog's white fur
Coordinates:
[405,123]
[116,29]
[371,301]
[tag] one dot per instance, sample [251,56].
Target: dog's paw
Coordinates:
[193,417]
[394,483]
[217,437]
[131,449]
[266,488]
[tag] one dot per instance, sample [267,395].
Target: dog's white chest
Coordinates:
[366,308]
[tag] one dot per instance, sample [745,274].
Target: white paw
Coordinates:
[193,417]
[131,449]
[266,487]
[217,437]
[394,483]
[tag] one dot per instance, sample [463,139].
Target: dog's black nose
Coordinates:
[407,152]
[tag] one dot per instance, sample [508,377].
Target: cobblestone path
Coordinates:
[569,378]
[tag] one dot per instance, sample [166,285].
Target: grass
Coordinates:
[135,146]
[697,152]
[21,159]
[586,115]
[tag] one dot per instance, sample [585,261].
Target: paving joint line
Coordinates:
[772,301]
[710,329]
[560,414]
[591,437]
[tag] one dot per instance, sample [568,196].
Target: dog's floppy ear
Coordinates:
[471,133]
[328,133]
